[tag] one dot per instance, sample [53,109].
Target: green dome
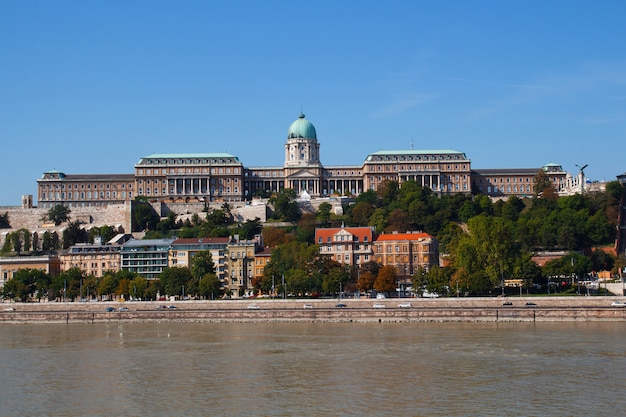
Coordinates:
[302,128]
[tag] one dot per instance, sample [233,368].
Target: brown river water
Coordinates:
[313,369]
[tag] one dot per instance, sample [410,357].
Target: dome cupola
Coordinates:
[301,128]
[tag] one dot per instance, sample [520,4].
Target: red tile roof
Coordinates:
[403,236]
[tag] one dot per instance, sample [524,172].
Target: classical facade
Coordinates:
[55,187]
[221,177]
[184,177]
[519,182]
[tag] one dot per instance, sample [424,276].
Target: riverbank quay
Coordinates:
[495,309]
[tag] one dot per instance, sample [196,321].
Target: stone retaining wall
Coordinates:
[422,310]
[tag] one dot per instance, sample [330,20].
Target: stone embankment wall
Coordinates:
[421,310]
[31,218]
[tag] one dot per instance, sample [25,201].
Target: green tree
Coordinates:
[4,221]
[26,283]
[57,214]
[378,220]
[74,234]
[488,249]
[143,216]
[250,228]
[336,279]
[173,280]
[68,283]
[285,205]
[16,239]
[323,213]
[210,287]
[202,264]
[360,213]
[106,233]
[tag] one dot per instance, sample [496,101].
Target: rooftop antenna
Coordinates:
[581,174]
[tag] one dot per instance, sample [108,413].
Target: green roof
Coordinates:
[302,128]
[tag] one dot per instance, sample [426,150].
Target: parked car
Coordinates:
[340,305]
[161,307]
[253,306]
[405,305]
[172,307]
[308,306]
[618,304]
[124,309]
[529,304]
[9,309]
[507,303]
[109,309]
[379,305]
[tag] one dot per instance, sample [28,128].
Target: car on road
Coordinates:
[161,307]
[618,304]
[172,307]
[340,305]
[507,304]
[109,309]
[530,304]
[308,306]
[253,307]
[405,305]
[379,305]
[124,309]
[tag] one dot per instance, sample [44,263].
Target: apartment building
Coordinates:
[9,266]
[407,252]
[241,266]
[346,245]
[93,259]
[182,251]
[146,257]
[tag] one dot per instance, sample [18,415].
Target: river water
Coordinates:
[313,369]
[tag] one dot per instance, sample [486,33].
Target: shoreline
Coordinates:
[571,308]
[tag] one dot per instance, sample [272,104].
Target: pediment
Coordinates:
[304,174]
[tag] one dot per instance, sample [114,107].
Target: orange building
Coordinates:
[406,252]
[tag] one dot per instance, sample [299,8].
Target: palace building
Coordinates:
[221,177]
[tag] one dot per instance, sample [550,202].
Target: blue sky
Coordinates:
[93,86]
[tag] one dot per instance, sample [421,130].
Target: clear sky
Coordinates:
[93,86]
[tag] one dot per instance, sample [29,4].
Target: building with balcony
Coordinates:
[183,250]
[241,258]
[146,257]
[93,259]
